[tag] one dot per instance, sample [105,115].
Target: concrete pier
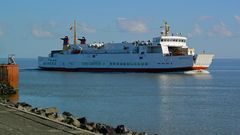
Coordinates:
[15,122]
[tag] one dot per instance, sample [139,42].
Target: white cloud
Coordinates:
[86,28]
[220,30]
[52,24]
[133,26]
[197,31]
[204,18]
[41,32]
[237,18]
[44,30]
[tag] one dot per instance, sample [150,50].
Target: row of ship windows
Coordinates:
[92,63]
[129,63]
[53,60]
[111,63]
[49,63]
[173,40]
[117,63]
[165,63]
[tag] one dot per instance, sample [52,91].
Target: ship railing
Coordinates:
[109,52]
[54,52]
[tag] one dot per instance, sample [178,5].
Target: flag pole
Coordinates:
[75,33]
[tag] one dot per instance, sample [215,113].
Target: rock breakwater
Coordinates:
[53,114]
[6,89]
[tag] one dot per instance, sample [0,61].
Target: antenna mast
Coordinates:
[166,28]
[75,33]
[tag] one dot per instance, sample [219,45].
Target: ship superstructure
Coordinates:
[165,53]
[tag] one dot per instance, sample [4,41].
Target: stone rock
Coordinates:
[92,124]
[52,116]
[75,122]
[83,126]
[6,89]
[51,110]
[20,107]
[89,128]
[121,129]
[34,110]
[68,114]
[28,108]
[86,127]
[41,112]
[68,118]
[111,130]
[103,129]
[60,118]
[25,104]
[72,121]
[100,128]
[98,125]
[82,120]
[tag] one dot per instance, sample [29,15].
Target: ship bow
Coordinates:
[203,61]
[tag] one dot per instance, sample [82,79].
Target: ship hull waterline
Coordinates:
[139,70]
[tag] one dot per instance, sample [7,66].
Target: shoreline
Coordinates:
[69,120]
[15,121]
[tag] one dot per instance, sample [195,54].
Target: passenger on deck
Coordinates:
[82,40]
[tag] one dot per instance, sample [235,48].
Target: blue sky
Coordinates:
[30,28]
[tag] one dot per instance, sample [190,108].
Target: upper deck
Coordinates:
[172,41]
[165,44]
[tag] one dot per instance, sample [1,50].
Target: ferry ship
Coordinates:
[165,53]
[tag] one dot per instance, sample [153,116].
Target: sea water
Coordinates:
[162,103]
